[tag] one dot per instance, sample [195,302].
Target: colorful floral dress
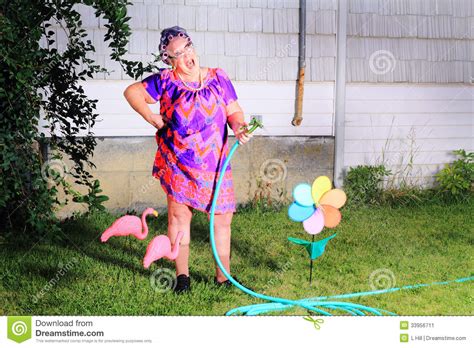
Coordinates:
[193,146]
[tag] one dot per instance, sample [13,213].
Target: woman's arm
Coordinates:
[235,118]
[138,98]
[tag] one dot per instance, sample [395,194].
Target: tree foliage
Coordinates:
[40,80]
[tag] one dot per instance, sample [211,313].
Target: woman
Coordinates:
[196,104]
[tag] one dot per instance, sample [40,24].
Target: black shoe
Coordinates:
[224,284]
[227,283]
[183,284]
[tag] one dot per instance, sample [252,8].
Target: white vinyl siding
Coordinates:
[274,101]
[404,125]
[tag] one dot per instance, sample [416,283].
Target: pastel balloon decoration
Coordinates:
[299,213]
[321,185]
[336,197]
[315,223]
[332,216]
[316,206]
[302,195]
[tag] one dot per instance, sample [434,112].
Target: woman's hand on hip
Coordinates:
[241,132]
[156,121]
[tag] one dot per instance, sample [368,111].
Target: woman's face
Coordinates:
[182,55]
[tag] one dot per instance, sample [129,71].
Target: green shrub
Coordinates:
[43,82]
[363,184]
[455,180]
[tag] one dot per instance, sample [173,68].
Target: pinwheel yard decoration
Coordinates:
[316,206]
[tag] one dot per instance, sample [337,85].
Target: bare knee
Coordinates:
[223,221]
[179,214]
[179,218]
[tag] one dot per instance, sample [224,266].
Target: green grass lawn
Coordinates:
[81,276]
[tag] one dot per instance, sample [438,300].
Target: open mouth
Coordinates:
[190,63]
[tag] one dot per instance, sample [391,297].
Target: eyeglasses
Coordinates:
[187,49]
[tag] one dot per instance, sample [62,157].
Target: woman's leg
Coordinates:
[222,223]
[179,219]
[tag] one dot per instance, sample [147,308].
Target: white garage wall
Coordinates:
[410,118]
[275,102]
[412,129]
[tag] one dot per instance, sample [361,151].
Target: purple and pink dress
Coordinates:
[193,146]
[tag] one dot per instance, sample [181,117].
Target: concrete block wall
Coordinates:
[278,164]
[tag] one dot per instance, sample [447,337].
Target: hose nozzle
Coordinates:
[253,125]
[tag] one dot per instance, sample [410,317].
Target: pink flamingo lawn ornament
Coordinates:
[159,247]
[129,225]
